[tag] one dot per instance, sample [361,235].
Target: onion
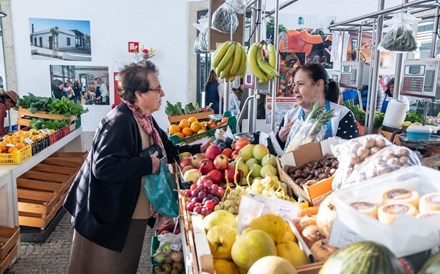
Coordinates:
[326,216]
[307,220]
[321,251]
[311,233]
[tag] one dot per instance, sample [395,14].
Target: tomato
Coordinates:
[241,142]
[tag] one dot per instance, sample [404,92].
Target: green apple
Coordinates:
[269,159]
[255,169]
[268,169]
[246,152]
[260,151]
[252,161]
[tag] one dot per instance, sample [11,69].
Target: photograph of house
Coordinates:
[87,85]
[60,39]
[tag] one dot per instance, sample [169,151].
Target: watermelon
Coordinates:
[362,258]
[432,266]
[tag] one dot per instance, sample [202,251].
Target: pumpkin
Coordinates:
[432,266]
[362,258]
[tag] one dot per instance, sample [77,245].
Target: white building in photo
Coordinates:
[45,39]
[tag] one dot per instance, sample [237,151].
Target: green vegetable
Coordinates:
[49,124]
[362,258]
[50,105]
[414,117]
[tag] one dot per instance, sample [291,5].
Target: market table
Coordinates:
[10,173]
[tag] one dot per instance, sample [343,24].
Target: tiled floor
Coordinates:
[53,255]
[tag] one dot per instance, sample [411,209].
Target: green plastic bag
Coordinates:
[161,191]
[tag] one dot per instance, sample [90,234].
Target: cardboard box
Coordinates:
[303,155]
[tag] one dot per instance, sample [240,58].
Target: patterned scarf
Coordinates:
[146,123]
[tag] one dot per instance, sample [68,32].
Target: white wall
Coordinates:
[162,25]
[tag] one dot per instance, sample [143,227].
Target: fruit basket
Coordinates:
[40,144]
[16,157]
[153,247]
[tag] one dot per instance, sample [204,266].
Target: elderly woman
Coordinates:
[108,205]
[312,85]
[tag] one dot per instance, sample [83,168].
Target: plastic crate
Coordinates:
[16,157]
[40,144]
[153,247]
[78,123]
[56,136]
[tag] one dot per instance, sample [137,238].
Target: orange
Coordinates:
[184,123]
[179,134]
[174,129]
[3,147]
[11,149]
[192,119]
[196,126]
[20,145]
[187,131]
[201,131]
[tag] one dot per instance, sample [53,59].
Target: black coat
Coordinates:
[104,194]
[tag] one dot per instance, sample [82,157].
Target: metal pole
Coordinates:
[341,58]
[252,110]
[275,81]
[227,84]
[370,80]
[434,33]
[373,87]
[358,54]
[399,62]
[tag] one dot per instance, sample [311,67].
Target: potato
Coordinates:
[381,142]
[374,150]
[404,160]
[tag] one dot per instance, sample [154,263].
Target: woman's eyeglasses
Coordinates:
[158,89]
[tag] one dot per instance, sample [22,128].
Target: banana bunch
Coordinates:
[230,60]
[262,69]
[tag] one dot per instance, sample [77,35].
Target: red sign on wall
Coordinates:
[133,46]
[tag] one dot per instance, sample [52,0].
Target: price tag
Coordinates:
[29,141]
[10,145]
[44,130]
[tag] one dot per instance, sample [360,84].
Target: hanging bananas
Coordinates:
[262,69]
[230,60]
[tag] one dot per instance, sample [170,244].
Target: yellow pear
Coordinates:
[289,236]
[223,266]
[272,265]
[251,246]
[220,239]
[219,217]
[290,251]
[273,224]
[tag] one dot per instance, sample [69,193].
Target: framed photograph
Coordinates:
[87,85]
[57,39]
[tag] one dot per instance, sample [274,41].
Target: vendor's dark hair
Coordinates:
[318,72]
[134,77]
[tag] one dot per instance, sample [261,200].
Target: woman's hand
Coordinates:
[285,130]
[155,163]
[205,145]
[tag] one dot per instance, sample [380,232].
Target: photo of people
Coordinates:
[87,85]
[60,39]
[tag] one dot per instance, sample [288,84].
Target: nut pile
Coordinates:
[314,171]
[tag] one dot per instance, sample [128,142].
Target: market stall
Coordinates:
[247,208]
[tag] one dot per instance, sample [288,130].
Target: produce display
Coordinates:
[267,235]
[314,171]
[229,60]
[262,69]
[367,157]
[178,109]
[51,105]
[168,256]
[21,139]
[192,126]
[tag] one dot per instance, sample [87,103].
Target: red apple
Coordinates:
[206,166]
[221,162]
[195,160]
[216,176]
[185,162]
[227,152]
[231,176]
[186,168]
[205,179]
[212,151]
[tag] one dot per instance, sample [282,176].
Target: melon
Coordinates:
[272,265]
[432,266]
[363,258]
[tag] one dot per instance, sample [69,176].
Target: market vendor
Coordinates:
[8,100]
[312,85]
[107,201]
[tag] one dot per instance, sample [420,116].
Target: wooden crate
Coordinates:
[8,239]
[41,190]
[39,114]
[7,261]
